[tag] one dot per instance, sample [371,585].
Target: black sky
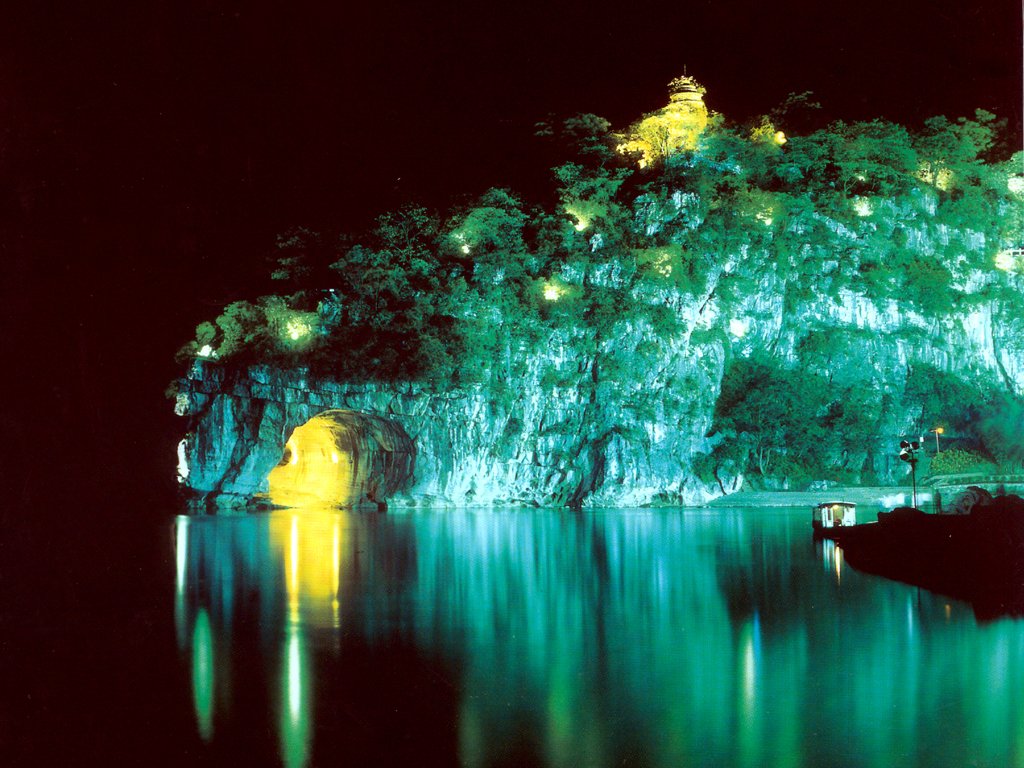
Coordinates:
[150,151]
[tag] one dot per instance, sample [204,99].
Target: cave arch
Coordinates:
[341,458]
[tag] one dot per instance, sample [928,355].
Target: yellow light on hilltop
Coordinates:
[465,249]
[780,138]
[551,292]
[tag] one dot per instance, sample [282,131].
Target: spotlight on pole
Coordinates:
[908,453]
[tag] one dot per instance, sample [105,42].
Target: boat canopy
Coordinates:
[830,514]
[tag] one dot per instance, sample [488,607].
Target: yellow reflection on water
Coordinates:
[311,542]
[832,557]
[297,559]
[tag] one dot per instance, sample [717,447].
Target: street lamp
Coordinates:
[938,431]
[908,453]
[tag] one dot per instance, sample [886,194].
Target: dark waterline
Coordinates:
[480,638]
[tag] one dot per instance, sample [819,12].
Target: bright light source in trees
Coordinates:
[663,264]
[862,206]
[738,328]
[460,238]
[582,218]
[206,351]
[182,462]
[939,177]
[1008,260]
[1015,184]
[780,138]
[297,328]
[551,292]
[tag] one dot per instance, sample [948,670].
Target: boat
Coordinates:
[833,514]
[978,557]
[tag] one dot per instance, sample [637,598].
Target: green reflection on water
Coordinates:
[202,674]
[295,708]
[660,638]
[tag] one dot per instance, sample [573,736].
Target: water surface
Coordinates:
[623,637]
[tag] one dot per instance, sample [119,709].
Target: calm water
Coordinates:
[506,638]
[627,637]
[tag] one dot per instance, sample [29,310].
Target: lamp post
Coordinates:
[938,431]
[908,453]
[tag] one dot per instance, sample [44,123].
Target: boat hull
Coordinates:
[977,557]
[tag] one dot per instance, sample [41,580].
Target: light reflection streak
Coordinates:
[296,717]
[203,674]
[292,566]
[180,552]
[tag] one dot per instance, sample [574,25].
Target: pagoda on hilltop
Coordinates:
[674,128]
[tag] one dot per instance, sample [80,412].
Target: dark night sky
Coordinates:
[150,151]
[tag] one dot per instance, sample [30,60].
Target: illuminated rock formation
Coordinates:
[269,438]
[539,448]
[340,458]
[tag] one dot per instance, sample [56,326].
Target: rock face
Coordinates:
[576,420]
[589,442]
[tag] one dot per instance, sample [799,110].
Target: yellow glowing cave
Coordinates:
[342,458]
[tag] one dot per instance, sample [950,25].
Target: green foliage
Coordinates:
[778,417]
[955,461]
[1001,430]
[944,399]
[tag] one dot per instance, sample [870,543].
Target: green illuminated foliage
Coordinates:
[954,461]
[773,415]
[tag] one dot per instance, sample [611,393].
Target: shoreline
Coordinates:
[885,497]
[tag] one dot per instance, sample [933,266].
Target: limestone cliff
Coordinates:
[591,434]
[583,354]
[597,441]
